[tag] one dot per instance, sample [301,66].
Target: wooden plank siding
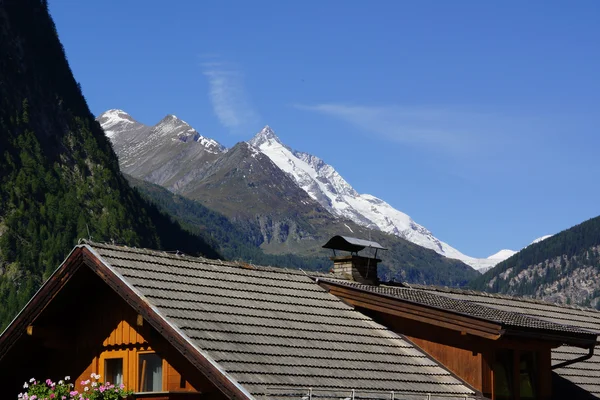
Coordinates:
[464,363]
[114,333]
[126,342]
[471,357]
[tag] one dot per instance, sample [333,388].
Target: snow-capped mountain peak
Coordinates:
[170,128]
[324,184]
[115,120]
[265,136]
[502,255]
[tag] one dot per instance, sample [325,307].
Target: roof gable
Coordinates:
[274,330]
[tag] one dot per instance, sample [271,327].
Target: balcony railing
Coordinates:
[345,394]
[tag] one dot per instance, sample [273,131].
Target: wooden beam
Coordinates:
[418,313]
[413,307]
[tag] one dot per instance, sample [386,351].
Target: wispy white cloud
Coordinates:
[453,131]
[228,95]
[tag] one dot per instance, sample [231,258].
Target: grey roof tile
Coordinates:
[463,306]
[271,328]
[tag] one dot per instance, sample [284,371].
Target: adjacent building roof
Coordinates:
[271,332]
[506,317]
[585,374]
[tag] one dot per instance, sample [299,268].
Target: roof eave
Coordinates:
[480,327]
[581,340]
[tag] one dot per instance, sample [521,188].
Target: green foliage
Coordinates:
[59,177]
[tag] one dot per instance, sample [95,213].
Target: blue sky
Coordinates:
[479,119]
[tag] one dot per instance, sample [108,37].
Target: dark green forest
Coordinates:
[574,246]
[59,178]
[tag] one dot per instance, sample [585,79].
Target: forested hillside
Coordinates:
[59,178]
[564,268]
[231,240]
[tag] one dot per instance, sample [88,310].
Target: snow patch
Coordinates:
[502,255]
[541,239]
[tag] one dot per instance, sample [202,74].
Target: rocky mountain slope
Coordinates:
[265,203]
[168,153]
[404,261]
[563,268]
[184,166]
[59,178]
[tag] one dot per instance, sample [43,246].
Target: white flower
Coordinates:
[94,384]
[61,382]
[31,380]
[67,378]
[86,389]
[20,395]
[25,385]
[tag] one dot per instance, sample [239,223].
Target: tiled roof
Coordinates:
[585,374]
[506,317]
[274,330]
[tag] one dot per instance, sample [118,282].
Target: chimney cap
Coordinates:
[351,244]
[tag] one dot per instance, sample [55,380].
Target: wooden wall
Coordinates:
[469,357]
[126,341]
[464,363]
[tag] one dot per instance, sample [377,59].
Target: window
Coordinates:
[527,375]
[149,372]
[503,375]
[113,370]
[515,375]
[112,366]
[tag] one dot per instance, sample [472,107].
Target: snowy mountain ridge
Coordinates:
[171,153]
[117,122]
[324,184]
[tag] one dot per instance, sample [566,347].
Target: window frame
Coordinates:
[110,355]
[163,383]
[512,365]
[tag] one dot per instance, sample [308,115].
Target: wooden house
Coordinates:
[504,347]
[175,327]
